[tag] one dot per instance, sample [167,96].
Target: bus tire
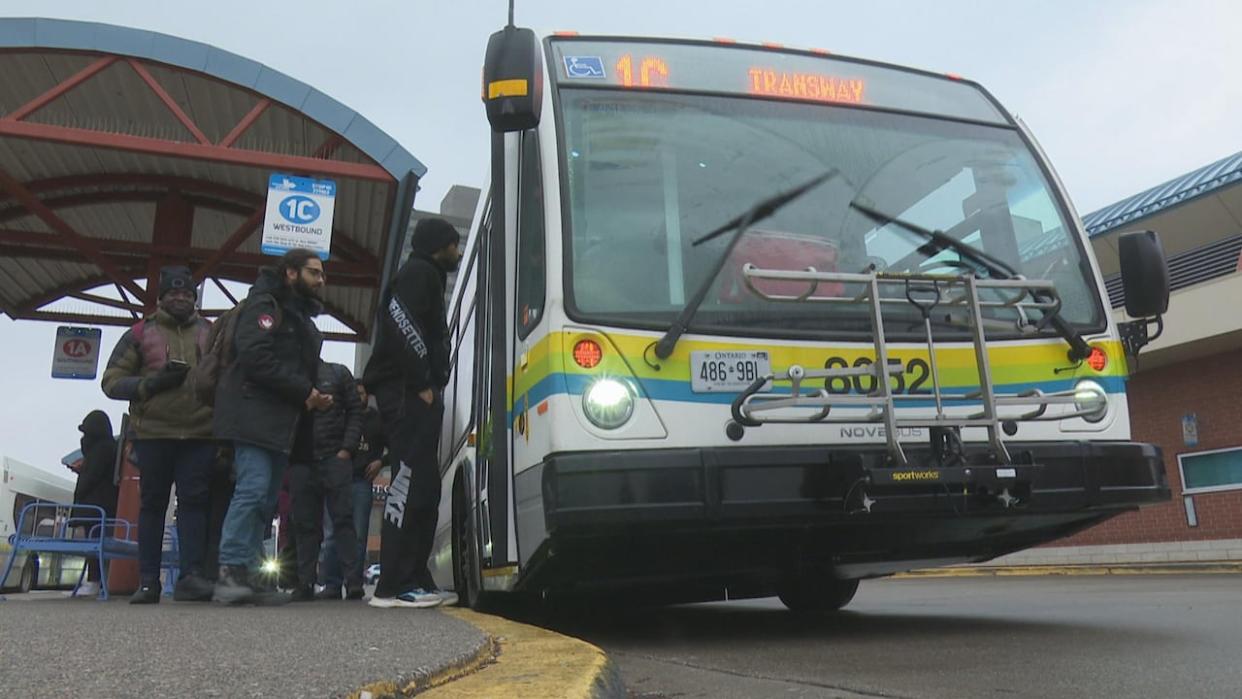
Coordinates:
[817,594]
[30,573]
[467,578]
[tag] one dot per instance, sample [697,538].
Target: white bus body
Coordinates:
[574,455]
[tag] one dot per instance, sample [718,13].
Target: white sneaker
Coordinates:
[417,598]
[88,589]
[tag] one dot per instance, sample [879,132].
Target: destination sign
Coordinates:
[770,73]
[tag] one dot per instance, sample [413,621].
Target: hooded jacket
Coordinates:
[143,351]
[95,486]
[411,338]
[261,396]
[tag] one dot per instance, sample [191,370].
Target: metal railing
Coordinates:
[759,404]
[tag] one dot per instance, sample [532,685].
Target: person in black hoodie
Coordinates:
[95,481]
[262,401]
[407,373]
[324,482]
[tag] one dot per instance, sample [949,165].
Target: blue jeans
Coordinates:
[259,475]
[329,566]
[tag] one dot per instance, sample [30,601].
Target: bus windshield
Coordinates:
[648,172]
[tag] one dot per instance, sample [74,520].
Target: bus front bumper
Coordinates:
[760,507]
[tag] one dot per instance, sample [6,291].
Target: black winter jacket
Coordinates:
[340,426]
[411,338]
[261,397]
[95,486]
[373,446]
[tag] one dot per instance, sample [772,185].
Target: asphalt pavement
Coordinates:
[51,646]
[1066,637]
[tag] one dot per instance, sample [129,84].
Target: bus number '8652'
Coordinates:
[917,370]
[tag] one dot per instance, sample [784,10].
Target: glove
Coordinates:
[171,376]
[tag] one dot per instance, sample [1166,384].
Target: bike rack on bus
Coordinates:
[926,292]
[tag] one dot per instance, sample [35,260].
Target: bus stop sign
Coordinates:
[76,355]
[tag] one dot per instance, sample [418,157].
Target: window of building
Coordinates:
[1210,471]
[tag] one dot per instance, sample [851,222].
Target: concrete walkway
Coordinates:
[54,646]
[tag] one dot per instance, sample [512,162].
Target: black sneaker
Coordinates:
[148,593]
[266,595]
[354,592]
[329,593]
[232,586]
[303,593]
[193,588]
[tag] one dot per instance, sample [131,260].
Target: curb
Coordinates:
[533,662]
[425,680]
[1206,568]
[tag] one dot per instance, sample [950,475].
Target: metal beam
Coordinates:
[83,244]
[59,89]
[258,109]
[119,321]
[239,236]
[104,301]
[194,151]
[44,246]
[346,245]
[168,101]
[129,179]
[224,290]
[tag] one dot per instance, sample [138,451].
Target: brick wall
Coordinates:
[1212,389]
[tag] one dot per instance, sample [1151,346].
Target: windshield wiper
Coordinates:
[765,208]
[1079,349]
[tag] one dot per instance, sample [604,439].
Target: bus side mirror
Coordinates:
[1144,274]
[1145,280]
[513,80]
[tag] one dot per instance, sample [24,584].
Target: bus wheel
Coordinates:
[30,573]
[817,593]
[466,577]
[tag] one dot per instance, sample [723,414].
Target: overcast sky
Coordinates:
[1122,94]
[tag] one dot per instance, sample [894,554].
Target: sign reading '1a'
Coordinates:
[299,215]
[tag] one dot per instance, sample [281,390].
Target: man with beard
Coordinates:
[172,432]
[263,404]
[407,373]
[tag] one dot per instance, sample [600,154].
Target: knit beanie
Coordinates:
[176,277]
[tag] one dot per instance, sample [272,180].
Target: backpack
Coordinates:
[204,376]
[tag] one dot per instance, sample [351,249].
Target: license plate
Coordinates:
[724,371]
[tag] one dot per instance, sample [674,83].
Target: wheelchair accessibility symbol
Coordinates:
[584,67]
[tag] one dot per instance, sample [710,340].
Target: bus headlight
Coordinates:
[608,403]
[1091,400]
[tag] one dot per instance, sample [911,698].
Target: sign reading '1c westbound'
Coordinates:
[299,215]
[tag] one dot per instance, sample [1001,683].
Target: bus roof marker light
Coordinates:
[608,403]
[565,32]
[588,354]
[953,76]
[1098,359]
[723,40]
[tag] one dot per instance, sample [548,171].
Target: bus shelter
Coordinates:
[123,150]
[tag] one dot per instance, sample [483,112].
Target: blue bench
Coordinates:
[101,541]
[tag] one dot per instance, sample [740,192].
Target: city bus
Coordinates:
[745,320]
[20,485]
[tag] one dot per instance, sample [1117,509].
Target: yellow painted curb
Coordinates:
[1102,569]
[387,689]
[533,662]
